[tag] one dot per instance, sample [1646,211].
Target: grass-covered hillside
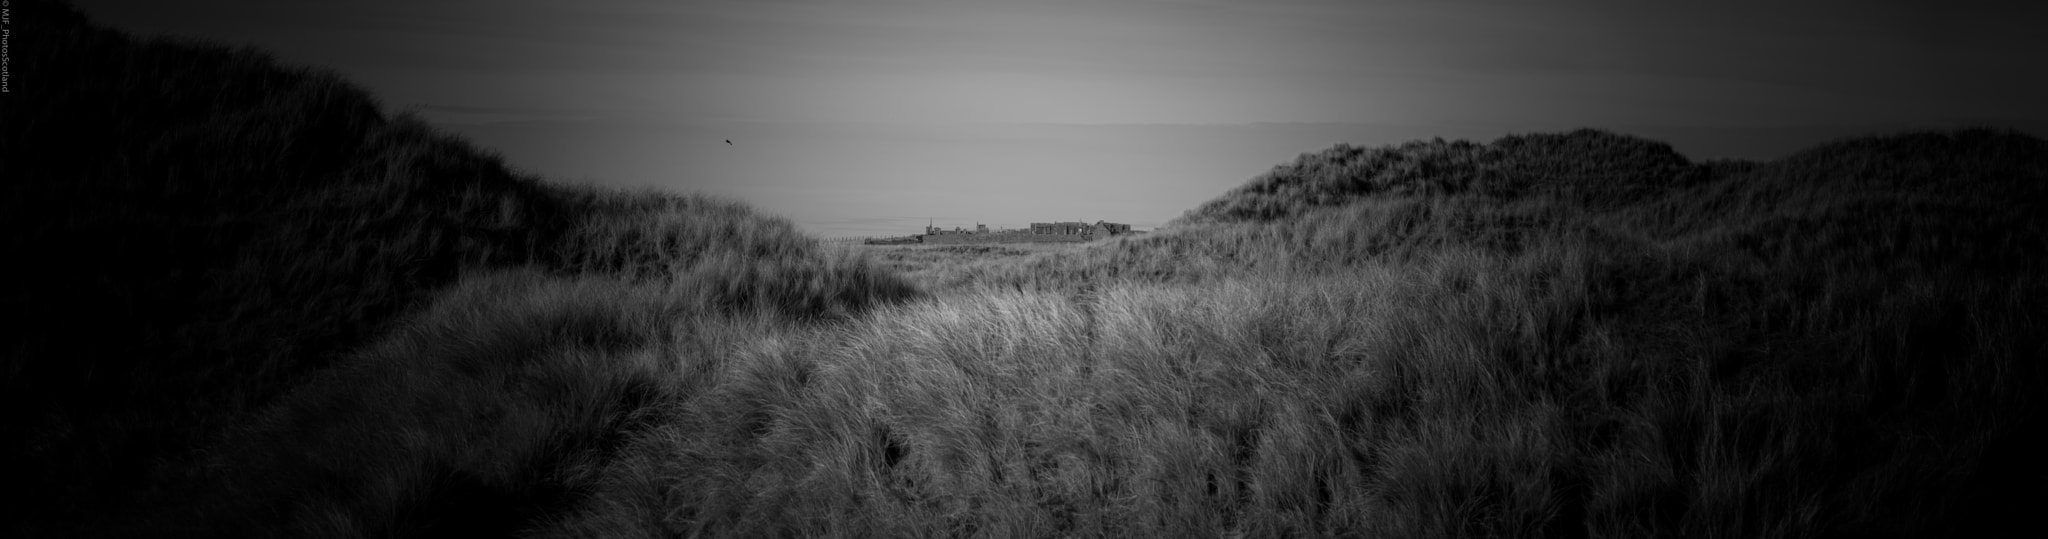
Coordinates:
[262,306]
[1441,339]
[199,233]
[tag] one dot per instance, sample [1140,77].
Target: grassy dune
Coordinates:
[1567,390]
[1839,343]
[937,266]
[210,231]
[266,308]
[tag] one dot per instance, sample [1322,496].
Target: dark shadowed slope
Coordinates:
[196,228]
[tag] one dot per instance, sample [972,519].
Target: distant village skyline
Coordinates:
[934,223]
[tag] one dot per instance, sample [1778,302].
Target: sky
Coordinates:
[870,118]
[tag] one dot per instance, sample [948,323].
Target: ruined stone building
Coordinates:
[936,231]
[1099,228]
[1059,232]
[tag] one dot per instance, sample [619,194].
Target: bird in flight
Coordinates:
[728,143]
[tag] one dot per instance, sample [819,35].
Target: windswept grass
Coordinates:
[267,309]
[1850,354]
[206,229]
[935,267]
[1471,393]
[487,406]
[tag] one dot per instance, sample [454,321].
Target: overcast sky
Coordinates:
[869,117]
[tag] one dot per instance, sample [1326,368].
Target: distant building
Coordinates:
[1062,228]
[1063,231]
[1099,228]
